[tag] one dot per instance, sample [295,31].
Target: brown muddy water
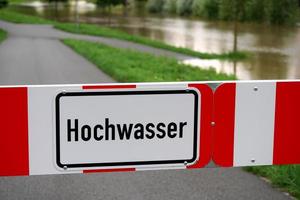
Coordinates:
[275,49]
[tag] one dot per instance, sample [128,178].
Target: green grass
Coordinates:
[96,30]
[132,66]
[2,35]
[90,29]
[17,1]
[11,16]
[286,177]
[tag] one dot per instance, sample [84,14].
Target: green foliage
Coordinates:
[3,35]
[287,177]
[105,3]
[198,7]
[206,8]
[271,11]
[49,0]
[226,11]
[281,11]
[170,6]
[233,9]
[133,66]
[15,17]
[3,3]
[184,7]
[155,6]
[255,10]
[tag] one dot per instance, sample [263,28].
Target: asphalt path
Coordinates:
[33,54]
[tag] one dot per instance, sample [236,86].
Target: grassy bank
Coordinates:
[17,1]
[95,30]
[285,177]
[107,32]
[2,35]
[132,66]
[19,18]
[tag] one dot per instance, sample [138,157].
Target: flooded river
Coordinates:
[275,49]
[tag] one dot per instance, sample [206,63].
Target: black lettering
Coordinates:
[86,133]
[181,125]
[124,131]
[161,130]
[107,127]
[96,136]
[70,130]
[172,127]
[108,130]
[150,130]
[139,132]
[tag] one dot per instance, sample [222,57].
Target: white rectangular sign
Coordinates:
[126,128]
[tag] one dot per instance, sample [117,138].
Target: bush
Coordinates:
[184,7]
[155,6]
[170,6]
[232,9]
[199,7]
[105,3]
[226,11]
[281,11]
[255,10]
[206,8]
[3,3]
[272,11]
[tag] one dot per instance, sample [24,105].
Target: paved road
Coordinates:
[34,55]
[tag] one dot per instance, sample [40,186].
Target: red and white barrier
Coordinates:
[257,123]
[240,124]
[27,145]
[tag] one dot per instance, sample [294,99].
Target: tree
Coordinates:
[155,6]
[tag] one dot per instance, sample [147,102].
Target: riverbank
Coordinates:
[285,177]
[89,29]
[134,66]
[3,35]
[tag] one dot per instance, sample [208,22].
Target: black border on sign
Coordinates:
[113,93]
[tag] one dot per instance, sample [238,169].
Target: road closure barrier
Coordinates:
[257,123]
[59,129]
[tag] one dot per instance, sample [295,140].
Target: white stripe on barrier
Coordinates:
[41,133]
[254,124]
[259,128]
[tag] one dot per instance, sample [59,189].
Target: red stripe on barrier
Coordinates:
[206,105]
[14,153]
[224,117]
[89,87]
[108,170]
[287,124]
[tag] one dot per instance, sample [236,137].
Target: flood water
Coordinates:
[275,49]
